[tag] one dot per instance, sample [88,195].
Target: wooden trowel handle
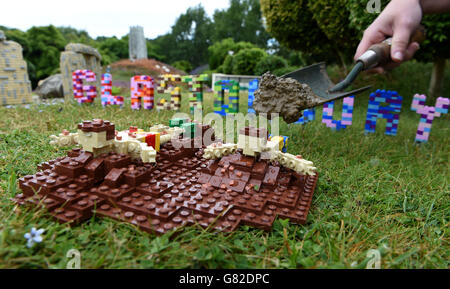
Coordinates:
[380,54]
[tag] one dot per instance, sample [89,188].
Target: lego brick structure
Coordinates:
[167,84]
[391,112]
[308,116]
[219,97]
[107,97]
[142,88]
[15,87]
[215,187]
[78,56]
[252,87]
[347,114]
[84,93]
[195,83]
[137,44]
[427,114]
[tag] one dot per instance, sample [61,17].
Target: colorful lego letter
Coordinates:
[233,96]
[106,96]
[347,114]
[391,112]
[308,115]
[195,90]
[84,93]
[142,87]
[164,86]
[252,87]
[427,114]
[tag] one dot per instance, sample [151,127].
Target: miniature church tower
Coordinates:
[137,45]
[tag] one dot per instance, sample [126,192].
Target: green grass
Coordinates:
[374,191]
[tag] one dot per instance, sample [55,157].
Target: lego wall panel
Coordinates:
[252,87]
[384,104]
[427,114]
[347,114]
[142,88]
[308,116]
[195,83]
[219,97]
[107,97]
[167,83]
[84,93]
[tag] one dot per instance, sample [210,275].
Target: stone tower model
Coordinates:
[15,87]
[78,56]
[137,45]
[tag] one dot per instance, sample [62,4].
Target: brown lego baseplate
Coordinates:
[181,189]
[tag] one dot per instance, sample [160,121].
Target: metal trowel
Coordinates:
[316,76]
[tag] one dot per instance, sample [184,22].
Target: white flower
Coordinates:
[33,237]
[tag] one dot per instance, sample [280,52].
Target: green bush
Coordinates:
[245,61]
[270,63]
[219,51]
[284,70]
[183,65]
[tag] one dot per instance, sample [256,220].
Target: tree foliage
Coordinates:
[46,45]
[270,63]
[220,50]
[244,62]
[293,25]
[183,65]
[242,21]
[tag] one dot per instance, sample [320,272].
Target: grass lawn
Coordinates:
[374,192]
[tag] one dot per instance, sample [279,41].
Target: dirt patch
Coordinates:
[147,64]
[285,96]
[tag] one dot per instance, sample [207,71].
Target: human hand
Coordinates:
[399,19]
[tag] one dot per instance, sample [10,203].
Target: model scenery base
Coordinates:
[212,186]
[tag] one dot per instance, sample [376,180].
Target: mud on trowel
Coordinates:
[311,86]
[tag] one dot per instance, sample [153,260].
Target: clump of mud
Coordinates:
[285,96]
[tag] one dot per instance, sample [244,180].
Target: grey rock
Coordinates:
[51,87]
[83,49]
[2,36]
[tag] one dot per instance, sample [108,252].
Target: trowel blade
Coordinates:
[317,78]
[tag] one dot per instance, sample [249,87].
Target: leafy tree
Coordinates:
[332,19]
[112,49]
[191,36]
[76,36]
[245,61]
[47,42]
[269,63]
[242,21]
[293,25]
[220,50]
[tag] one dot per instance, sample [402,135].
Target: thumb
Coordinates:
[400,42]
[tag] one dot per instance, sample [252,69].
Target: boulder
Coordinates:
[51,87]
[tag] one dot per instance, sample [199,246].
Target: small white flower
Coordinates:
[34,237]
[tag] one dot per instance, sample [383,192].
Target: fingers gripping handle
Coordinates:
[380,54]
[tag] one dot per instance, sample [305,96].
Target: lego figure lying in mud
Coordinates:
[99,137]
